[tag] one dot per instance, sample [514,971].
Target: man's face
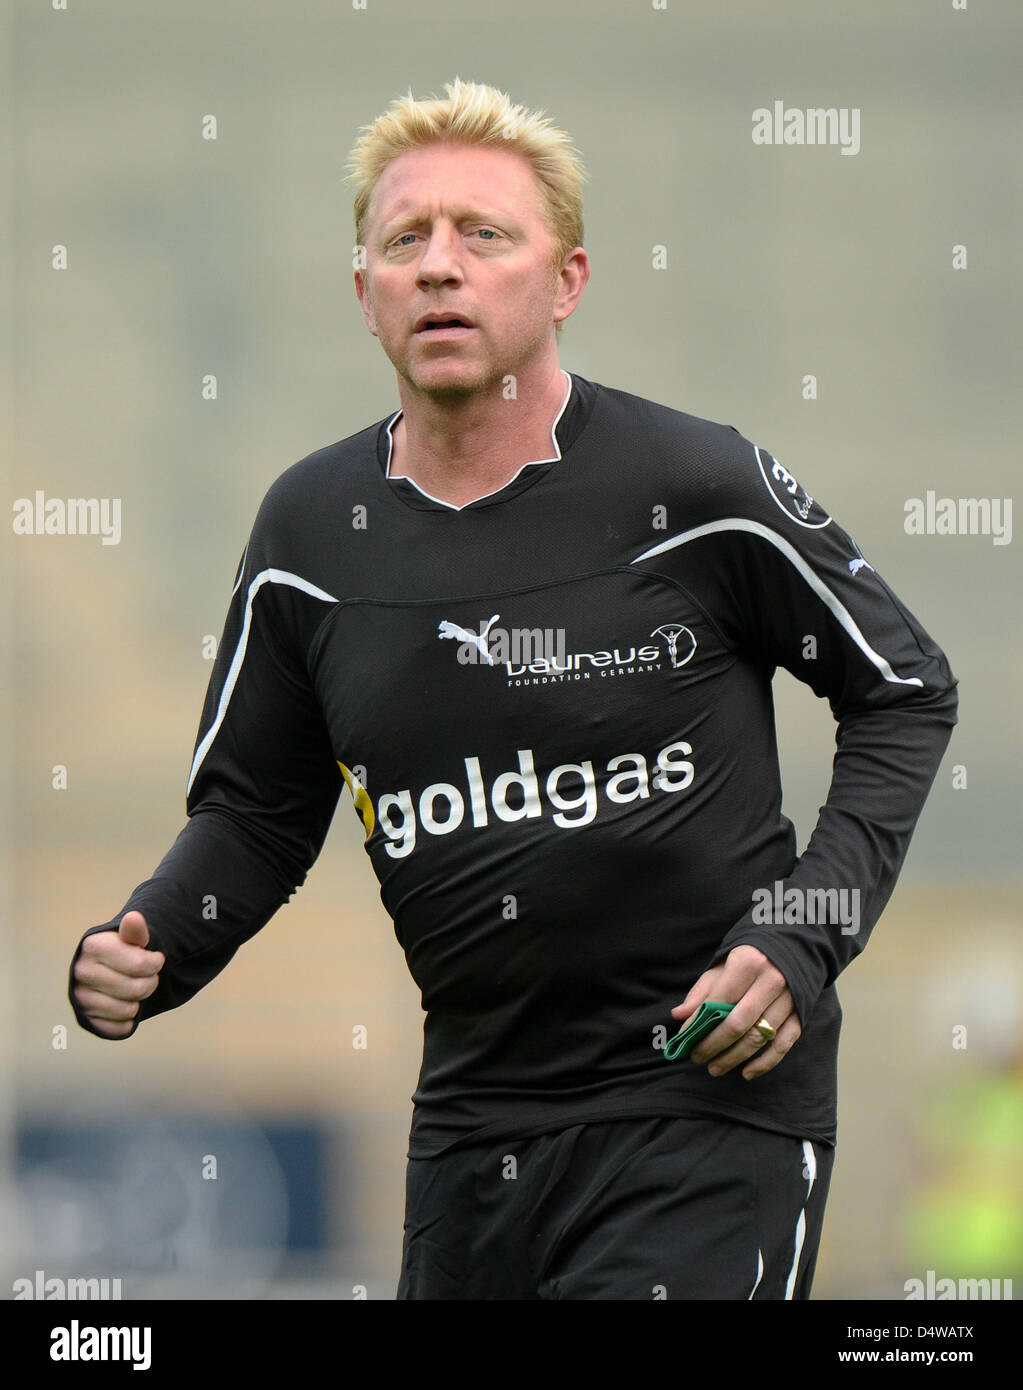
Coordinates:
[458,230]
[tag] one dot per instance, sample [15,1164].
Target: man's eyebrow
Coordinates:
[417,215]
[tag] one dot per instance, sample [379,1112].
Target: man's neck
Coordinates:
[460,451]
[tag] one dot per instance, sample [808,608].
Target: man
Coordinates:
[572,836]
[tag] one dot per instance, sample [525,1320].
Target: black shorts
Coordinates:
[629,1209]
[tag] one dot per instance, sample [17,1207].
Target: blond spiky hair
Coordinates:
[475,114]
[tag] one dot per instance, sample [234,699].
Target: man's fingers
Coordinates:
[134,929]
[753,1044]
[772,1053]
[738,1030]
[119,984]
[128,959]
[108,1029]
[95,1004]
[759,992]
[693,999]
[113,973]
[746,975]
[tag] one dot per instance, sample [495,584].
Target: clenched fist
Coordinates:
[114,973]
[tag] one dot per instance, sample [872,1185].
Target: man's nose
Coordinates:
[442,258]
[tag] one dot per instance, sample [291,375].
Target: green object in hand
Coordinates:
[704,1021]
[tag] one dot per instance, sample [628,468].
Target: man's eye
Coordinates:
[400,239]
[486,231]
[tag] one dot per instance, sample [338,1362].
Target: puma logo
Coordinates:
[454,633]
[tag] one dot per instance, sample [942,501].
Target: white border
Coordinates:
[555,458]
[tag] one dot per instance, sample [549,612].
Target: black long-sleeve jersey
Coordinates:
[553,710]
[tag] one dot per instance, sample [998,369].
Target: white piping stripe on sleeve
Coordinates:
[270,576]
[827,597]
[760,1274]
[790,1283]
[241,570]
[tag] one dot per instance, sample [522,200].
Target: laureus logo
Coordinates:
[543,652]
[681,643]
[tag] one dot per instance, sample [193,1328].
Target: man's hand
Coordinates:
[114,973]
[747,979]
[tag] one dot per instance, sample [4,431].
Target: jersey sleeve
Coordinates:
[789,587]
[262,787]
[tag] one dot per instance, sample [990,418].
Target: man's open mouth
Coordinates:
[444,325]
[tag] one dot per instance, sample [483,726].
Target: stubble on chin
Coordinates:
[474,381]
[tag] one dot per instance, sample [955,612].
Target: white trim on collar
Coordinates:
[555,457]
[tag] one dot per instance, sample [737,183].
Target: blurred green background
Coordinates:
[232,256]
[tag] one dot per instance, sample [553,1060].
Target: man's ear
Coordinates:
[362,290]
[570,281]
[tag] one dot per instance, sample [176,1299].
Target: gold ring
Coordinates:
[765,1030]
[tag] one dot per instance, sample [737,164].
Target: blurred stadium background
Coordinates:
[233,257]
